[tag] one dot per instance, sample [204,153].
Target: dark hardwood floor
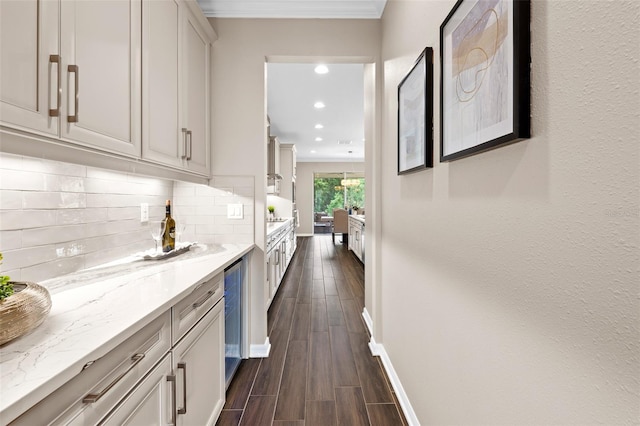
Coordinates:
[320,370]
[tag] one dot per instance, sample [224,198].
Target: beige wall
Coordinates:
[304,186]
[239,104]
[510,279]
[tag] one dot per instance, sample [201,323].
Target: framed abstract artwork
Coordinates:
[415,116]
[485,83]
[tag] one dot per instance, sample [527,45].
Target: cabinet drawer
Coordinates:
[149,403]
[90,395]
[189,310]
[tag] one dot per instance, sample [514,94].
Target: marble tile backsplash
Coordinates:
[203,209]
[57,218]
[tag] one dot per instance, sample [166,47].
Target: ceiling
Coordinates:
[353,9]
[292,90]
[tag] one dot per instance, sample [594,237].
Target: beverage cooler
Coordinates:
[233,280]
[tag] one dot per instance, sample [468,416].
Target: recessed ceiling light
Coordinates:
[319,105]
[313,151]
[321,69]
[319,126]
[318,139]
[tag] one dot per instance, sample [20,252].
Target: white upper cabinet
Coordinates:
[100,48]
[196,75]
[176,90]
[161,132]
[88,91]
[130,77]
[30,68]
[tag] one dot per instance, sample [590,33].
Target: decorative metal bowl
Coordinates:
[24,310]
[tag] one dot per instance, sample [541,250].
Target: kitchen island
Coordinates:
[93,312]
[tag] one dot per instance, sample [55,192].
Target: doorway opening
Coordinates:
[334,191]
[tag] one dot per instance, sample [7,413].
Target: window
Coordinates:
[338,190]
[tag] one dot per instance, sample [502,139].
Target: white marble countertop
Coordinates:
[273,227]
[92,312]
[358,217]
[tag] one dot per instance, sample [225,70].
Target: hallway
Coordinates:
[320,370]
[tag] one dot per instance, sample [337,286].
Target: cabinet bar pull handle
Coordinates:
[189,137]
[172,379]
[55,112]
[277,257]
[95,397]
[183,366]
[184,143]
[204,299]
[76,70]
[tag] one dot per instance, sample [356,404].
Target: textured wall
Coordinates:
[511,278]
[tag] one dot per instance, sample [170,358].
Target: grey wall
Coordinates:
[510,279]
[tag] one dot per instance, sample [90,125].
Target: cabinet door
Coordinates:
[352,236]
[150,401]
[199,370]
[100,48]
[162,139]
[102,383]
[196,58]
[269,280]
[29,75]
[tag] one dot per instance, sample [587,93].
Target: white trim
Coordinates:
[304,235]
[260,351]
[377,349]
[368,321]
[370,9]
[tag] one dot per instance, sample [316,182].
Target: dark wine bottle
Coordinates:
[169,236]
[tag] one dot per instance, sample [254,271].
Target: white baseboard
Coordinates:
[368,321]
[304,235]
[377,349]
[260,351]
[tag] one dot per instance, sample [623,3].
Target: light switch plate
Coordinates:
[144,212]
[235,211]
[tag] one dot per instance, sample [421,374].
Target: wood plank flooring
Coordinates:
[320,370]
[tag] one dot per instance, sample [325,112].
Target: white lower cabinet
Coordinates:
[199,369]
[146,380]
[150,402]
[356,238]
[279,255]
[100,385]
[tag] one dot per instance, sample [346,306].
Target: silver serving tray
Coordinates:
[167,255]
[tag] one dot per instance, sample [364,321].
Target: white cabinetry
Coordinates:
[196,59]
[356,237]
[287,171]
[280,250]
[100,385]
[176,89]
[170,372]
[30,68]
[273,166]
[87,91]
[199,370]
[130,77]
[100,44]
[150,402]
